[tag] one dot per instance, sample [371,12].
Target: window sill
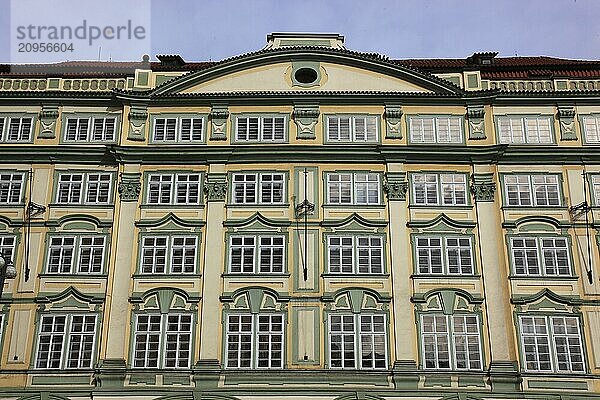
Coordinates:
[362,276]
[532,208]
[336,206]
[256,275]
[80,205]
[237,205]
[183,206]
[443,276]
[454,207]
[72,275]
[14,205]
[543,277]
[174,275]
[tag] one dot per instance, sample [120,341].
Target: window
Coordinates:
[541,256]
[356,188]
[178,130]
[76,254]
[172,189]
[596,189]
[262,254]
[435,129]
[260,129]
[357,341]
[7,246]
[551,344]
[255,341]
[11,187]
[66,341]
[439,189]
[352,129]
[355,254]
[451,342]
[450,255]
[591,128]
[168,254]
[162,341]
[15,129]
[258,188]
[90,129]
[525,130]
[532,190]
[84,188]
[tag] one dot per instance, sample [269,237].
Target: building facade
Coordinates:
[301,222]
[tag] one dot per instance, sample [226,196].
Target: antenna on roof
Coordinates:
[99,52]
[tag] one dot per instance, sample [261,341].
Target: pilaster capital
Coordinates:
[395,185]
[130,186]
[483,187]
[215,187]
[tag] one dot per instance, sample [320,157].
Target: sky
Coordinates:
[201,30]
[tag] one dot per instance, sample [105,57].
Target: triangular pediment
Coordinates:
[333,70]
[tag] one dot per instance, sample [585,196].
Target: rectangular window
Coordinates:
[357,341]
[162,341]
[76,254]
[451,342]
[258,188]
[596,189]
[437,255]
[551,344]
[355,254]
[532,190]
[7,247]
[178,130]
[168,254]
[439,189]
[591,128]
[66,341]
[16,129]
[541,256]
[256,254]
[525,130]
[255,341]
[84,188]
[174,189]
[352,128]
[435,129]
[260,129]
[90,129]
[11,187]
[353,188]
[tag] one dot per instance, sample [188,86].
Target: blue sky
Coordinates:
[216,29]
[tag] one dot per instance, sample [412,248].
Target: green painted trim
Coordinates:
[325,238]
[295,359]
[257,234]
[468,203]
[503,191]
[297,171]
[173,173]
[257,219]
[234,123]
[297,266]
[55,179]
[74,114]
[442,236]
[550,117]
[24,184]
[325,174]
[461,118]
[314,65]
[6,116]
[154,116]
[354,221]
[443,222]
[169,235]
[173,218]
[286,185]
[352,116]
[76,252]
[582,128]
[538,237]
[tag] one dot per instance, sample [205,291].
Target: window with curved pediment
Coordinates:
[357,331]
[255,327]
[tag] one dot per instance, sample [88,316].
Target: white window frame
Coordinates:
[8,245]
[258,250]
[444,185]
[86,187]
[90,130]
[595,186]
[525,129]
[170,250]
[163,334]
[446,340]
[356,256]
[258,183]
[525,185]
[540,256]
[12,185]
[6,122]
[353,124]
[262,133]
[368,181]
[67,338]
[445,254]
[550,336]
[590,125]
[256,333]
[437,123]
[174,181]
[359,341]
[178,129]
[77,254]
